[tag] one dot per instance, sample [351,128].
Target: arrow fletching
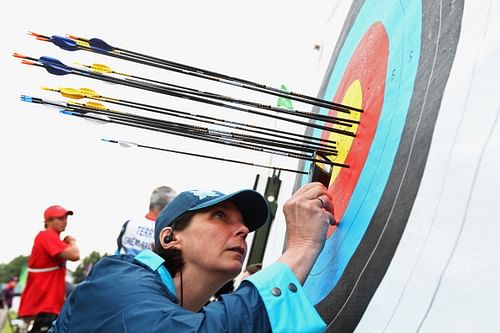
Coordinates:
[89,93]
[100,45]
[71,93]
[54,66]
[94,118]
[100,68]
[124,144]
[95,105]
[64,43]
[127,144]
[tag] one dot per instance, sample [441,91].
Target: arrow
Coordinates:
[56,67]
[227,142]
[201,131]
[205,130]
[182,130]
[97,45]
[83,112]
[127,144]
[104,69]
[90,116]
[89,93]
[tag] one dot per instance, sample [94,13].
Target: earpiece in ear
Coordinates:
[167,239]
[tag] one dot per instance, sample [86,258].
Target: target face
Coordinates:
[386,62]
[364,89]
[369,71]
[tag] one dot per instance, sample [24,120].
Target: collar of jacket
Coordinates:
[155,262]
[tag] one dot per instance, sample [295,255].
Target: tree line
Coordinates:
[14,267]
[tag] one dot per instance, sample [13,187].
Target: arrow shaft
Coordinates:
[199,130]
[150,87]
[232,80]
[81,112]
[188,90]
[213,121]
[219,141]
[54,66]
[101,47]
[214,158]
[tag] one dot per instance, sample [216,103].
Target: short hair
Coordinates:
[173,258]
[160,197]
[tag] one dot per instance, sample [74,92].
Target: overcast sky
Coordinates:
[48,158]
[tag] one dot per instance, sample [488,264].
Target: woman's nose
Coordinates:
[242,231]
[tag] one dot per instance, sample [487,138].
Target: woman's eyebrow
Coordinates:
[213,209]
[222,205]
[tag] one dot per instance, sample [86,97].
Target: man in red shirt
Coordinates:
[44,293]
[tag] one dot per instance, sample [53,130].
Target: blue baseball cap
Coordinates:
[252,205]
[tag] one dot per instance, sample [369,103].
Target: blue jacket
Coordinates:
[137,294]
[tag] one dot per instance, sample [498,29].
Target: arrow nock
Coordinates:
[76,38]
[39,36]
[30,99]
[19,55]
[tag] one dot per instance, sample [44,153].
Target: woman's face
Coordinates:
[214,241]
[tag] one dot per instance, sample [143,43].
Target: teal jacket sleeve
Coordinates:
[287,306]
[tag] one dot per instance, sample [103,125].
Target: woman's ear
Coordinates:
[167,239]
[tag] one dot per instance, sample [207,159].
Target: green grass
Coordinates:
[6,328]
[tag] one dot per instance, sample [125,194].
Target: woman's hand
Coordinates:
[308,215]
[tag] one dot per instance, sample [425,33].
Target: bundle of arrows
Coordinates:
[320,151]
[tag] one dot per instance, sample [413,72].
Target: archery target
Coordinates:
[383,63]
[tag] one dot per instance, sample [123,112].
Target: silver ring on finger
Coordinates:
[322,203]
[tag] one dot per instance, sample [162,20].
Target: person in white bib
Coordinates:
[137,233]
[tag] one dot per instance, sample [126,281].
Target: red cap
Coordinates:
[56,211]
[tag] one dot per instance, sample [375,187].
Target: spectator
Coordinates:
[8,291]
[44,293]
[137,234]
